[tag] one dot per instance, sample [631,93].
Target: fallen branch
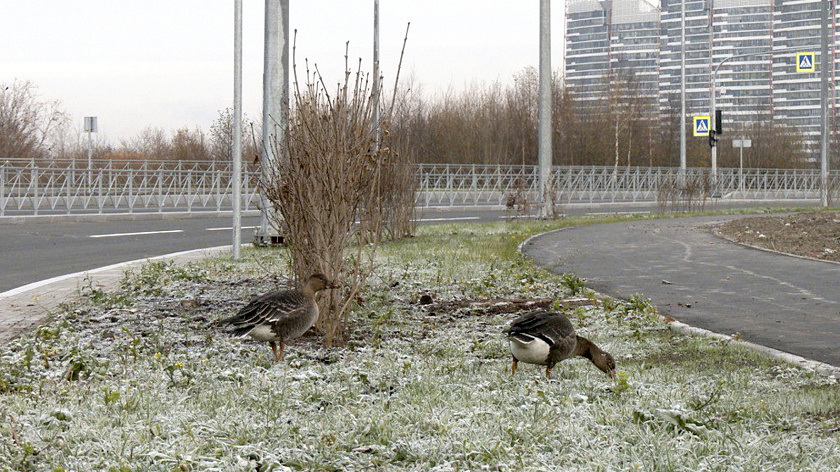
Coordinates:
[506,305]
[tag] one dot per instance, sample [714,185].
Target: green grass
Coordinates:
[141,379]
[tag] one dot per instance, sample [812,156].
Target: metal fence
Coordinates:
[62,186]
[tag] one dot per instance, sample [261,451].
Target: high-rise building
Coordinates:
[696,56]
[587,51]
[752,45]
[611,39]
[796,96]
[634,46]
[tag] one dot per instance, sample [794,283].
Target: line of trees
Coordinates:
[34,128]
[483,124]
[494,124]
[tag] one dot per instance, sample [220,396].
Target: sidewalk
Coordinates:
[23,308]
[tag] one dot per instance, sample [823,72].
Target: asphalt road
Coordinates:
[787,303]
[32,249]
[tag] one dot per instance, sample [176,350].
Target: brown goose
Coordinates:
[278,317]
[546,338]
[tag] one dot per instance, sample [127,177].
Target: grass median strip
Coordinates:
[142,378]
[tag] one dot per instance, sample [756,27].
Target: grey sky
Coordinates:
[170,63]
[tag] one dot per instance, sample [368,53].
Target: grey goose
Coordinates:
[546,338]
[281,316]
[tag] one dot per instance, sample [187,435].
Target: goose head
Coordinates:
[317,282]
[605,362]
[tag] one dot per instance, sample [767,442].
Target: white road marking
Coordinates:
[450,219]
[618,212]
[114,235]
[505,217]
[229,228]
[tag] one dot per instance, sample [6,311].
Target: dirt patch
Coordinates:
[814,234]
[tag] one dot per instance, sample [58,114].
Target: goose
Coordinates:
[281,316]
[546,338]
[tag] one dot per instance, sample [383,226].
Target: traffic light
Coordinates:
[713,139]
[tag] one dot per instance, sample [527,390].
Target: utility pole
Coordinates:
[825,65]
[275,102]
[237,129]
[681,179]
[376,75]
[545,107]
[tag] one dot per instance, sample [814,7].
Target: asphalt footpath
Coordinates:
[783,302]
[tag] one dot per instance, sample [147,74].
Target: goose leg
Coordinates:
[548,372]
[280,355]
[513,367]
[274,349]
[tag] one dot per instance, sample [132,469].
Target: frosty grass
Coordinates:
[142,379]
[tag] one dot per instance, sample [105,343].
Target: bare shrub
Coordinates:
[833,189]
[517,204]
[325,183]
[691,196]
[397,192]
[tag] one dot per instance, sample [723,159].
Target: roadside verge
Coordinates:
[25,307]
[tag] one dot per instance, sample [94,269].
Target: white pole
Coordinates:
[90,158]
[236,197]
[545,106]
[681,180]
[741,168]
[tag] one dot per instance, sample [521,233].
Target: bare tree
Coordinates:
[189,145]
[27,123]
[221,138]
[152,143]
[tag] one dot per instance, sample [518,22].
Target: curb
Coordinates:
[682,328]
[798,361]
[717,233]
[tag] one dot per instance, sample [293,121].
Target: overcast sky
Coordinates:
[169,63]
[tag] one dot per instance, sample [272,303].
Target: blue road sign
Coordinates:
[806,62]
[701,125]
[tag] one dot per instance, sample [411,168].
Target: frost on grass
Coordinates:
[144,379]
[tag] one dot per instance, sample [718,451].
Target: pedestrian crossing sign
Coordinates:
[701,125]
[805,62]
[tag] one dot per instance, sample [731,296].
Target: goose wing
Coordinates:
[552,328]
[270,309]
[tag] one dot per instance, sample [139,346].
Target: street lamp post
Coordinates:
[236,199]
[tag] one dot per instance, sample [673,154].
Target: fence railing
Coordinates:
[63,186]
